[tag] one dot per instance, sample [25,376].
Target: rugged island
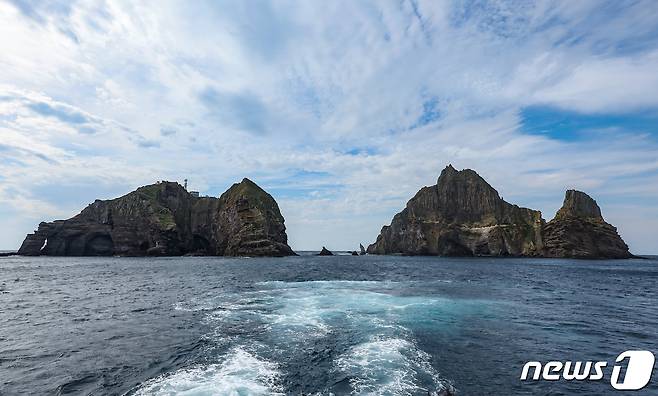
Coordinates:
[579,231]
[462,215]
[164,219]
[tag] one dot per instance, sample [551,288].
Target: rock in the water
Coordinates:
[579,231]
[363,250]
[325,252]
[354,253]
[462,215]
[163,219]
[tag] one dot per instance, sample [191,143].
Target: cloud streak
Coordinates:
[342,109]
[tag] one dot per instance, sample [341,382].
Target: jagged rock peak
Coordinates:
[578,204]
[450,175]
[247,181]
[448,170]
[462,215]
[464,196]
[579,231]
[247,189]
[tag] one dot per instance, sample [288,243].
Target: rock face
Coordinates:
[325,252]
[462,215]
[163,219]
[579,231]
[362,251]
[250,223]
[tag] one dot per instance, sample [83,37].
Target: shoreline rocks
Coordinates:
[325,252]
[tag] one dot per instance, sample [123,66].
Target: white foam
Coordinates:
[241,373]
[387,367]
[299,311]
[295,314]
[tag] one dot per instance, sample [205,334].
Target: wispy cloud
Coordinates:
[341,109]
[243,110]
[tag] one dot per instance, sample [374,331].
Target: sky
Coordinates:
[341,110]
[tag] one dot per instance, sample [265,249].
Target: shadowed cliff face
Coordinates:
[462,215]
[579,204]
[579,231]
[250,223]
[163,219]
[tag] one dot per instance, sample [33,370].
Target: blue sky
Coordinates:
[342,110]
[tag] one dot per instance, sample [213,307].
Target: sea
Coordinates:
[375,325]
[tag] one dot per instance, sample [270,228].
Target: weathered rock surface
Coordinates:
[163,219]
[462,215]
[362,250]
[579,231]
[325,252]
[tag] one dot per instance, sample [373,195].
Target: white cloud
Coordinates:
[118,94]
[606,85]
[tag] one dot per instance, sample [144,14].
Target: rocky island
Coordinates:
[462,215]
[164,219]
[579,231]
[325,252]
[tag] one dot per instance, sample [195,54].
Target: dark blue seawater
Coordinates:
[322,325]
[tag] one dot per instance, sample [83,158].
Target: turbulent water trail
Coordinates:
[388,366]
[325,337]
[239,373]
[315,326]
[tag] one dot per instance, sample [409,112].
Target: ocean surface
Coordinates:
[317,325]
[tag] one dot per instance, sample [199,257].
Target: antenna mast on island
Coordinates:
[185,184]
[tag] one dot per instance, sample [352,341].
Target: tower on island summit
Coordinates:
[193,193]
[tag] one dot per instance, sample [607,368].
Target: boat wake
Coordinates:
[326,337]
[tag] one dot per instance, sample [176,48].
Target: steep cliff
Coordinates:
[250,223]
[579,231]
[462,215]
[164,219]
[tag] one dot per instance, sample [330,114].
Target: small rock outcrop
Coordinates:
[354,253]
[462,215]
[164,219]
[579,231]
[363,250]
[325,252]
